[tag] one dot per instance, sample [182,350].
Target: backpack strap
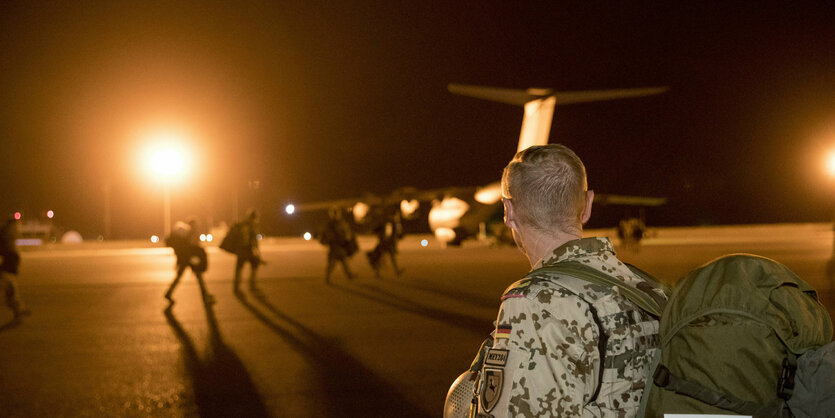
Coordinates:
[651,286]
[665,379]
[643,296]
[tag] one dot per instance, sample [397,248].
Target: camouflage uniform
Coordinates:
[9,266]
[545,357]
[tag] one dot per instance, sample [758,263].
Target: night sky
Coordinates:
[316,100]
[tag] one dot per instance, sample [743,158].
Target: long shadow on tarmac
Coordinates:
[222,385]
[474,324]
[448,292]
[350,389]
[9,325]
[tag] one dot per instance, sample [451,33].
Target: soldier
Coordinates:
[247,250]
[10,267]
[389,229]
[562,346]
[186,244]
[341,242]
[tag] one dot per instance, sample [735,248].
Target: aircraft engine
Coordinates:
[360,211]
[445,216]
[445,235]
[408,208]
[489,194]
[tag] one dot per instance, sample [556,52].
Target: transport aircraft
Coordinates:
[458,213]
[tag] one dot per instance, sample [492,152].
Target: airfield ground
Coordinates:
[100,342]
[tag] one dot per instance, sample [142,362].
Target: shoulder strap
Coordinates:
[665,379]
[644,296]
[646,299]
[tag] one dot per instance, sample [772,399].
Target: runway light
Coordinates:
[17,216]
[202,237]
[259,237]
[290,209]
[424,243]
[307,236]
[209,237]
[154,239]
[50,214]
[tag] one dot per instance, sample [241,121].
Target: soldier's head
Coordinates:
[335,212]
[10,226]
[251,216]
[544,188]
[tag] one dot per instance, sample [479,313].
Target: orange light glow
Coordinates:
[167,163]
[166,154]
[830,163]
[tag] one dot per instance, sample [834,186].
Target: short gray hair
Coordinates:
[547,185]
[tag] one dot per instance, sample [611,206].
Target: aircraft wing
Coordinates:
[612,199]
[406,197]
[322,205]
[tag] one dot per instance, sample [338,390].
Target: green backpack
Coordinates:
[740,334]
[732,336]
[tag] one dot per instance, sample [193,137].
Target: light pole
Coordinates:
[166,209]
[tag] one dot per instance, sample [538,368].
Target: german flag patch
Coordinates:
[503,331]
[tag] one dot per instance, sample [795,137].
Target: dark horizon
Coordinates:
[307,102]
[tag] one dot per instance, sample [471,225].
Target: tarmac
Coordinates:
[101,341]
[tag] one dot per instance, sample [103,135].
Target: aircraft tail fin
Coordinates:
[539,104]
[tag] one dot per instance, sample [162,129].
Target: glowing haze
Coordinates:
[297,101]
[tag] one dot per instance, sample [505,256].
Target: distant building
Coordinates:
[36,232]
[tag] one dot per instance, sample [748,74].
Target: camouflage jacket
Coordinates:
[545,359]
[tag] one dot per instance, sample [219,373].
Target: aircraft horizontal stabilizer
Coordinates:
[520,97]
[498,94]
[569,97]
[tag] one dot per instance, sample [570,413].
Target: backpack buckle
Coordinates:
[785,385]
[661,377]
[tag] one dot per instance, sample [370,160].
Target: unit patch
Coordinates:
[496,357]
[491,388]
